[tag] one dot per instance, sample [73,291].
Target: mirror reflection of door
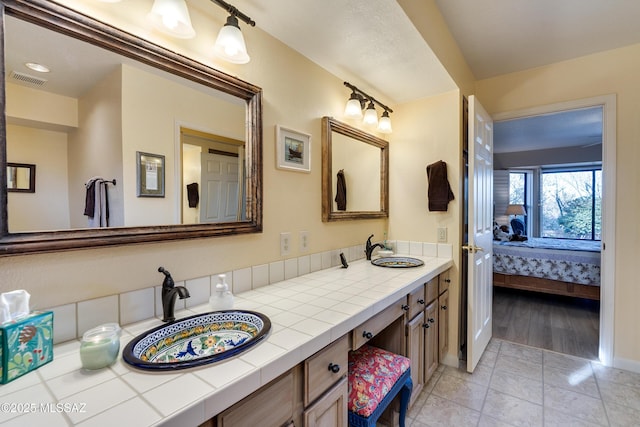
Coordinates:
[213,178]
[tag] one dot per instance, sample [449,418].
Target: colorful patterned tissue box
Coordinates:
[27,344]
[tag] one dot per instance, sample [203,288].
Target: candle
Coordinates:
[100,346]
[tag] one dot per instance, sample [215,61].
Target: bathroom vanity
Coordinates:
[296,374]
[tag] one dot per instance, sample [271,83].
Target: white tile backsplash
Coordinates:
[72,320]
[242,280]
[260,276]
[276,272]
[290,268]
[97,311]
[316,262]
[304,265]
[415,248]
[64,323]
[402,247]
[430,249]
[137,305]
[199,291]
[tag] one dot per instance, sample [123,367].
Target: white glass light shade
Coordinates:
[230,44]
[370,115]
[172,17]
[384,125]
[353,109]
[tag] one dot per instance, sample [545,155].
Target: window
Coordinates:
[519,193]
[571,204]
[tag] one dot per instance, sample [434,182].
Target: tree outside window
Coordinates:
[571,204]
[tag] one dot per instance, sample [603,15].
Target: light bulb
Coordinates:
[384,125]
[370,115]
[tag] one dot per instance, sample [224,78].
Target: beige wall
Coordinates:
[611,72]
[95,148]
[46,110]
[48,207]
[153,108]
[292,201]
[426,131]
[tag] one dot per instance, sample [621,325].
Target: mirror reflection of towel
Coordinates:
[192,194]
[341,191]
[97,203]
[439,192]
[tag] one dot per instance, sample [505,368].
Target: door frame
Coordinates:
[607,257]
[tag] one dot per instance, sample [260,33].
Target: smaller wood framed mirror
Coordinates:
[362,162]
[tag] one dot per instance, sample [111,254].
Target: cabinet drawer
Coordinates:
[431,290]
[377,323]
[443,282]
[319,369]
[415,302]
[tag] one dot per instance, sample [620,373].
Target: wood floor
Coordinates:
[563,324]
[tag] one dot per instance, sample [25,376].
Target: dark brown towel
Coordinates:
[439,192]
[193,196]
[341,191]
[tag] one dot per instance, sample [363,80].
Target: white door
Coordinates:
[480,244]
[219,198]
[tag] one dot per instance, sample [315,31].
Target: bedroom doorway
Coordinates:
[591,312]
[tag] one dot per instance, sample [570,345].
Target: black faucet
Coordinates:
[169,294]
[369,247]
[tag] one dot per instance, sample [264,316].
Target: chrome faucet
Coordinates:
[169,294]
[369,247]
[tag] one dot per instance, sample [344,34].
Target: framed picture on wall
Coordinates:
[150,174]
[293,150]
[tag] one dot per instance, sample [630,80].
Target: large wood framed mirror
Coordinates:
[135,97]
[361,160]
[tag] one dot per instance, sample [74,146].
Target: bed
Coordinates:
[555,266]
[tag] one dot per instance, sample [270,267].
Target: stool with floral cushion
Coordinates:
[376,376]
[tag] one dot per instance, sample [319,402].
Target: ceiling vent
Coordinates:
[27,78]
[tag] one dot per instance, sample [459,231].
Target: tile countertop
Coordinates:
[307,313]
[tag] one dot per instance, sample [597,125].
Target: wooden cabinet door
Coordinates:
[415,352]
[331,409]
[443,325]
[272,405]
[430,340]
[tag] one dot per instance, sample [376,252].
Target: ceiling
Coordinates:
[374,45]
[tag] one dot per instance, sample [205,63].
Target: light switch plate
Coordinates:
[304,241]
[285,244]
[442,234]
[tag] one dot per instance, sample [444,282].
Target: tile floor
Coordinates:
[517,385]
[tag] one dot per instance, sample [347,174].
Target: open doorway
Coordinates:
[571,315]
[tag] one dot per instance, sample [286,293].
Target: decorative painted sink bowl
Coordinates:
[397,262]
[197,340]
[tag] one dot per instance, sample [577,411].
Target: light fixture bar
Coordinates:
[235,12]
[364,95]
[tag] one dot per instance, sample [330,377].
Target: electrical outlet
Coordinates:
[285,244]
[442,234]
[304,241]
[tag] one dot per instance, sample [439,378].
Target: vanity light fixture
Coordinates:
[356,104]
[230,44]
[172,17]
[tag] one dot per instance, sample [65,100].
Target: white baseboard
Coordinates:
[626,364]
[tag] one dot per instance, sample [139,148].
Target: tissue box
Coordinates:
[26,344]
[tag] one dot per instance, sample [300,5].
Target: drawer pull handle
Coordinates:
[444,307]
[405,307]
[335,368]
[447,280]
[426,326]
[431,320]
[421,301]
[367,335]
